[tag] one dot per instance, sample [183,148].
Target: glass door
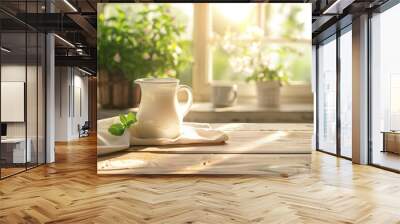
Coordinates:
[327,96]
[14,144]
[346,92]
[22,77]
[385,89]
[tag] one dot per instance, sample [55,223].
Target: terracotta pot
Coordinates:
[268,93]
[117,92]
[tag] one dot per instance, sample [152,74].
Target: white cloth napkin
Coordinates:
[108,143]
[192,133]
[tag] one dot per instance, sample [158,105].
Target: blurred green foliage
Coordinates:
[140,40]
[292,25]
[297,56]
[146,43]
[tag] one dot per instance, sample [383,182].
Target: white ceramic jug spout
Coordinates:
[160,115]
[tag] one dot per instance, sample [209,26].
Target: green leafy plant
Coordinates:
[251,55]
[118,129]
[265,73]
[143,43]
[292,25]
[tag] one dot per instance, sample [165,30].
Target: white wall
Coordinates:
[71,94]
[12,73]
[61,103]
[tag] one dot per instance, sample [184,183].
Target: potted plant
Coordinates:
[260,62]
[143,43]
[269,78]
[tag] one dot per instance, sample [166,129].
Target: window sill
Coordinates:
[286,113]
[290,94]
[241,112]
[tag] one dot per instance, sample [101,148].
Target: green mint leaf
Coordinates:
[116,129]
[123,120]
[129,123]
[126,121]
[131,118]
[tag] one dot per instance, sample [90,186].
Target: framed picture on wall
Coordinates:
[12,101]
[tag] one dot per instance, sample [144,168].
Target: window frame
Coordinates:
[202,65]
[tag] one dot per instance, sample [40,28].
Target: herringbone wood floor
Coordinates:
[69,191]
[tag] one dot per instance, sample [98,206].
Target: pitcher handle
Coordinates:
[189,101]
[234,97]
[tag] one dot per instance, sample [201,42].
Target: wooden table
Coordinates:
[251,149]
[391,141]
[14,151]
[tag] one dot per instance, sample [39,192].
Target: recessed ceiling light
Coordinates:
[84,71]
[338,6]
[65,41]
[5,50]
[70,5]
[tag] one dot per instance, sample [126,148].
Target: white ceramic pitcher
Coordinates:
[160,115]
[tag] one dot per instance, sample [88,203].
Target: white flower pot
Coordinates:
[268,93]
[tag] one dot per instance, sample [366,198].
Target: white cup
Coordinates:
[223,95]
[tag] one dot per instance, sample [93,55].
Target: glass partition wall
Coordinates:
[334,84]
[327,95]
[385,89]
[22,77]
[346,95]
[334,90]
